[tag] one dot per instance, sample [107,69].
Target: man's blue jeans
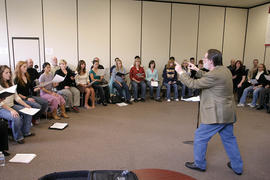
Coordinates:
[255,95]
[205,132]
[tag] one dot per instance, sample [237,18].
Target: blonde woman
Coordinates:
[119,82]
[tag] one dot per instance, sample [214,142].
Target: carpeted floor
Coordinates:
[142,135]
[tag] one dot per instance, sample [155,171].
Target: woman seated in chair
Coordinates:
[24,90]
[3,136]
[46,92]
[258,82]
[21,123]
[152,77]
[170,80]
[82,82]
[184,87]
[67,87]
[239,77]
[119,82]
[100,84]
[137,77]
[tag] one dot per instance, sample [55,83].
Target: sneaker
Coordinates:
[152,97]
[136,100]
[251,105]
[176,99]
[240,105]
[158,100]
[168,100]
[142,100]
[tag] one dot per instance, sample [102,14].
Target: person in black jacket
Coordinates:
[67,87]
[33,74]
[239,77]
[258,82]
[4,136]
[264,98]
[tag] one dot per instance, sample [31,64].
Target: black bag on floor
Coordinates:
[91,175]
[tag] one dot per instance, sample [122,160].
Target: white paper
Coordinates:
[122,104]
[100,72]
[58,125]
[58,79]
[192,99]
[11,89]
[253,81]
[154,83]
[30,111]
[267,77]
[23,158]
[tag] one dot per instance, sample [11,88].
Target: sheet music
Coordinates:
[58,79]
[23,158]
[58,125]
[30,111]
[192,99]
[100,72]
[122,104]
[11,89]
[253,81]
[154,83]
[267,77]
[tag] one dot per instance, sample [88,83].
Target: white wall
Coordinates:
[4,57]
[256,36]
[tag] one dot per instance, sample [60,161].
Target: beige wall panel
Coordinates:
[61,30]
[211,29]
[25,20]
[256,34]
[4,57]
[94,31]
[234,35]
[126,31]
[156,34]
[184,31]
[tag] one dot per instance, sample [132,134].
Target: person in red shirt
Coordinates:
[137,77]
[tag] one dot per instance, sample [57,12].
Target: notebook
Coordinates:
[58,126]
[23,158]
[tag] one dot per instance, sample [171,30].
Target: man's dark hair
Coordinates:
[172,58]
[215,56]
[137,57]
[192,58]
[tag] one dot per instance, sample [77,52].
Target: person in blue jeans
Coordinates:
[118,77]
[255,87]
[217,110]
[152,76]
[21,123]
[170,80]
[184,87]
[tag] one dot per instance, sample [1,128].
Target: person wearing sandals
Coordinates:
[46,92]
[21,123]
[82,82]
[152,76]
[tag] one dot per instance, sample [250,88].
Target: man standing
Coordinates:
[217,110]
[33,74]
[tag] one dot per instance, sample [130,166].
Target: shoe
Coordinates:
[54,115]
[158,100]
[229,166]
[20,141]
[240,105]
[5,153]
[128,102]
[136,100]
[259,107]
[122,99]
[251,105]
[75,109]
[192,165]
[104,104]
[30,134]
[142,100]
[176,99]
[152,98]
[168,100]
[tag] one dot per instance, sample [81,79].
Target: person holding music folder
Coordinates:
[217,110]
[25,89]
[119,82]
[46,92]
[83,84]
[137,77]
[20,122]
[151,78]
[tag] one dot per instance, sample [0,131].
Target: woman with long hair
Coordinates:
[24,90]
[46,92]
[119,81]
[152,75]
[21,123]
[82,81]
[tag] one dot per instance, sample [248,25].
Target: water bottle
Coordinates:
[2,159]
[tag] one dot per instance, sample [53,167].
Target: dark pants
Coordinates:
[3,136]
[120,90]
[264,97]
[241,90]
[103,92]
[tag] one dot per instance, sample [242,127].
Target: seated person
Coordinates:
[254,87]
[112,90]
[54,66]
[3,136]
[231,67]
[169,79]
[239,77]
[184,87]
[264,97]
[137,77]
[67,87]
[24,90]
[46,92]
[82,82]
[152,75]
[99,84]
[33,74]
[99,65]
[119,81]
[21,123]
